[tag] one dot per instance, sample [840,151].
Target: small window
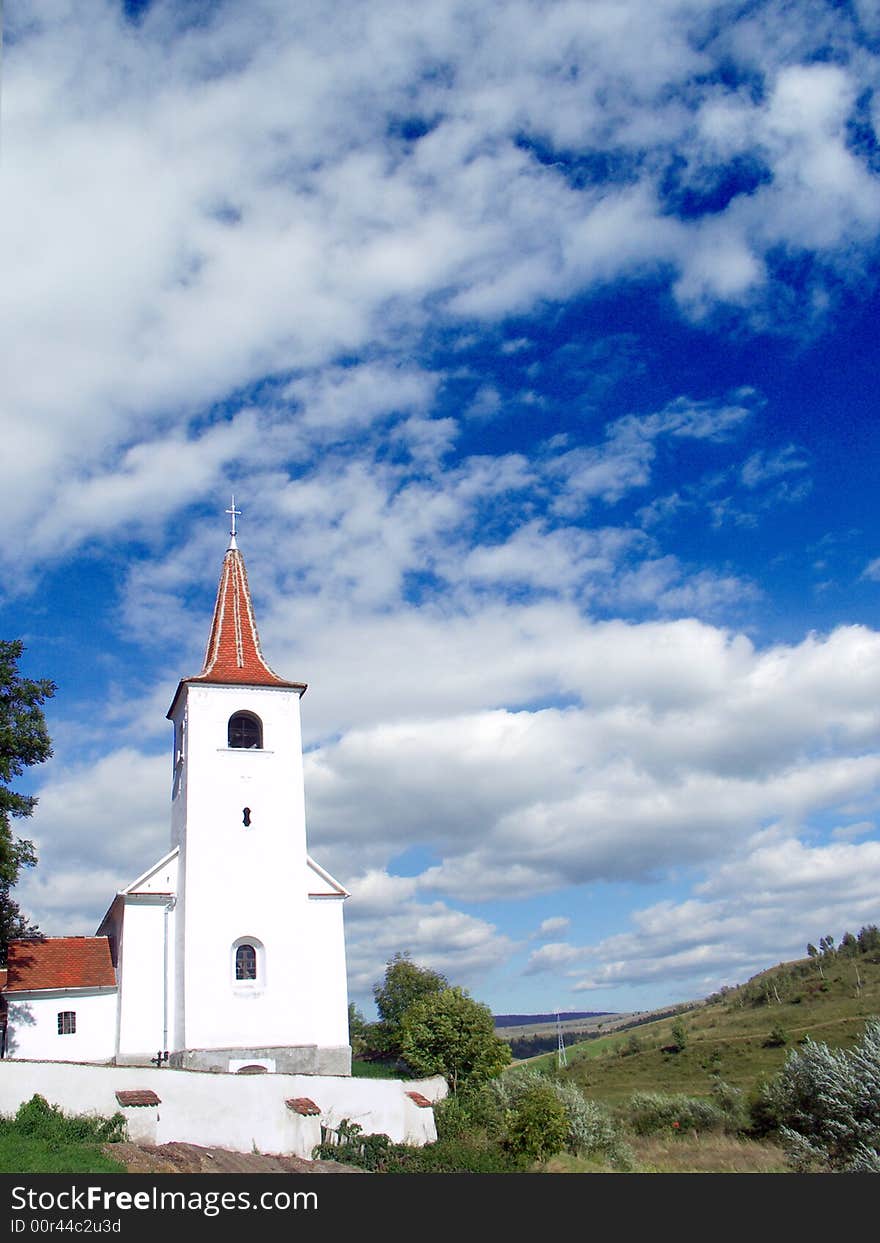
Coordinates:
[245,963]
[245,730]
[67,1023]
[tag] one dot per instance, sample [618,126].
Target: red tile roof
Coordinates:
[418,1099]
[60,962]
[138,1096]
[302,1105]
[234,653]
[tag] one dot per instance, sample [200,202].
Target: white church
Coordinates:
[228,954]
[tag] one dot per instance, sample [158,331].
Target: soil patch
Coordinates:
[177,1158]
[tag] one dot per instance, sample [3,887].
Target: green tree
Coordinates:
[450,1034]
[404,984]
[24,741]
[537,1126]
[826,1103]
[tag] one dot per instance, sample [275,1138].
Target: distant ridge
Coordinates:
[526,1020]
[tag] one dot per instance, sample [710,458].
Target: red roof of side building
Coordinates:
[60,962]
[234,655]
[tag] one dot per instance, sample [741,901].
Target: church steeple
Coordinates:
[233,653]
[234,656]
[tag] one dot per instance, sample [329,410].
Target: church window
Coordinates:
[66,1022]
[245,963]
[245,731]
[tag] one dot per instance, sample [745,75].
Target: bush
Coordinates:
[352,1147]
[462,1154]
[37,1119]
[826,1105]
[537,1126]
[590,1130]
[650,1112]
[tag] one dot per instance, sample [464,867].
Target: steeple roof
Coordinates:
[234,653]
[234,656]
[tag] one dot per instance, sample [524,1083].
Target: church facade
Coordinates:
[229,952]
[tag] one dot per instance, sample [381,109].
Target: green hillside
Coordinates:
[741,1035]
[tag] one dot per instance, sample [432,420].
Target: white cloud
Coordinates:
[189,209]
[556,923]
[769,901]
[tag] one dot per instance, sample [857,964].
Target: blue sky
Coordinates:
[538,343]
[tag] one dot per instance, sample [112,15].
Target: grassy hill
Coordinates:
[740,1036]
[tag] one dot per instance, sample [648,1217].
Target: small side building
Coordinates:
[61,997]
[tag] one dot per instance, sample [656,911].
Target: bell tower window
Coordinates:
[245,731]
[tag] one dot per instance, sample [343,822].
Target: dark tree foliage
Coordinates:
[24,741]
[405,983]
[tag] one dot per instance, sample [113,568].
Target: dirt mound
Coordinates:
[179,1158]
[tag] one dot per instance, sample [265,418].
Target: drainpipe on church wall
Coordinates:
[169,907]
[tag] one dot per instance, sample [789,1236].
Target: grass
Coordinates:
[728,1038]
[375,1070]
[42,1139]
[705,1154]
[23,1154]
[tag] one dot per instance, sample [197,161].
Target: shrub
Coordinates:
[732,1104]
[352,1147]
[590,1130]
[679,1036]
[826,1104]
[537,1126]
[461,1154]
[650,1112]
[37,1119]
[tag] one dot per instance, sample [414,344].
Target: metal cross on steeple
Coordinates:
[233,513]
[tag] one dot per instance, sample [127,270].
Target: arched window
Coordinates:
[245,730]
[245,962]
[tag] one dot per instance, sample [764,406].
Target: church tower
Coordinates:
[257,953]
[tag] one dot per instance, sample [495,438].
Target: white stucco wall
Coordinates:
[146,978]
[33,1025]
[239,1112]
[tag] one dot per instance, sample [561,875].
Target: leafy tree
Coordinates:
[448,1033]
[357,1030]
[826,1103]
[404,984]
[24,741]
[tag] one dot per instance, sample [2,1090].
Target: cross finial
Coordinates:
[233,513]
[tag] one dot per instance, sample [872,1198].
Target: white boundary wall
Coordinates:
[239,1112]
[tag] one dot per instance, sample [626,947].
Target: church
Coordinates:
[228,954]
